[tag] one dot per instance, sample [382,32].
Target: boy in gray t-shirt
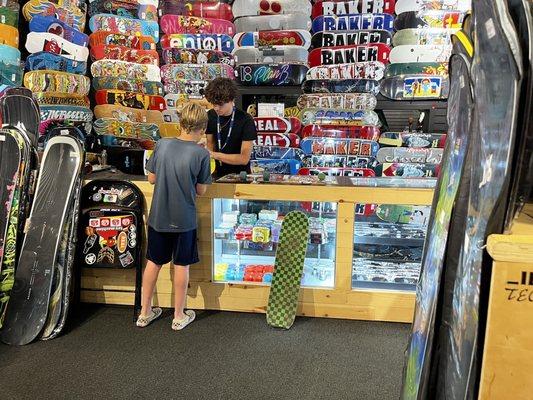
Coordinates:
[180,170]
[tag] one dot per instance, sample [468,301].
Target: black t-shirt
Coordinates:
[243,130]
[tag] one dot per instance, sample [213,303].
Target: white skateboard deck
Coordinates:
[45,41]
[423,36]
[245,8]
[246,36]
[417,5]
[417,53]
[276,54]
[273,22]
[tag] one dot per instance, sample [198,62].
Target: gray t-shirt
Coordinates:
[178,166]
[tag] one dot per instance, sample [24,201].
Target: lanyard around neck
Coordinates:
[219,131]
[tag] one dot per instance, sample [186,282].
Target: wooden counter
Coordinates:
[508,352]
[117,286]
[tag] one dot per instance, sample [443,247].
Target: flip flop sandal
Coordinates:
[143,321]
[178,325]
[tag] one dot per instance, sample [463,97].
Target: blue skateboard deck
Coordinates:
[41,23]
[49,61]
[114,23]
[354,22]
[9,55]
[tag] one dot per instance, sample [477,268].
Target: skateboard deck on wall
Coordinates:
[201,9]
[82,114]
[113,52]
[340,116]
[278,54]
[192,88]
[275,166]
[273,38]
[325,7]
[417,69]
[28,305]
[147,12]
[429,19]
[277,139]
[410,155]
[126,129]
[354,22]
[194,56]
[9,35]
[341,131]
[277,153]
[124,69]
[418,53]
[423,36]
[398,214]
[341,86]
[71,15]
[413,87]
[273,22]
[128,114]
[10,75]
[278,124]
[198,41]
[9,55]
[45,41]
[180,24]
[9,13]
[130,99]
[403,6]
[271,74]
[124,25]
[128,84]
[176,101]
[54,81]
[409,170]
[349,54]
[41,23]
[331,171]
[351,147]
[373,70]
[139,42]
[416,139]
[52,99]
[49,61]
[354,101]
[245,8]
[350,38]
[207,72]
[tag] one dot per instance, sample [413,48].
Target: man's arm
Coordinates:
[242,158]
[151,178]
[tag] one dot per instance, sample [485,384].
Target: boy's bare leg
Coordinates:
[181,283]
[150,275]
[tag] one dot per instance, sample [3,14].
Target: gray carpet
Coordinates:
[222,355]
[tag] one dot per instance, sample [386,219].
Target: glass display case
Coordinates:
[388,246]
[246,235]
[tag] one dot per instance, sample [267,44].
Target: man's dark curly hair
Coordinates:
[220,91]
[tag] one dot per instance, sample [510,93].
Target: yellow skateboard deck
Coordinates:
[9,35]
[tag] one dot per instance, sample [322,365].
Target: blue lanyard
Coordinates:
[219,131]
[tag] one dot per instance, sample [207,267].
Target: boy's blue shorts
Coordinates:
[179,247]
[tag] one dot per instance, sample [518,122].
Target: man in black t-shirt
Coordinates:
[230,131]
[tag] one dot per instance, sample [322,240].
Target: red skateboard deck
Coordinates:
[349,54]
[359,172]
[278,125]
[179,24]
[112,52]
[341,132]
[336,7]
[277,139]
[130,99]
[133,41]
[366,210]
[203,9]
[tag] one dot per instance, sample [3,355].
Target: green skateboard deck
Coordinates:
[289,263]
[412,215]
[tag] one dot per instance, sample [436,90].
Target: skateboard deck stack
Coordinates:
[57,65]
[126,80]
[10,62]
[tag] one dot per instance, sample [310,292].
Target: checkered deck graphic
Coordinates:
[290,255]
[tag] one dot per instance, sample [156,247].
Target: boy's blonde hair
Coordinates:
[193,118]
